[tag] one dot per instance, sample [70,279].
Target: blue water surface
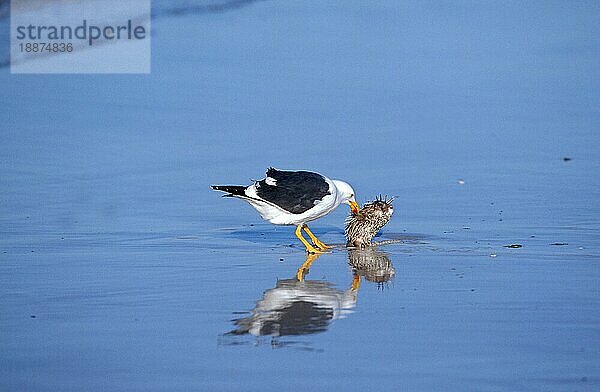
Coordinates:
[120,269]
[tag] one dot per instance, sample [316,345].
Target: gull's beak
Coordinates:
[354,207]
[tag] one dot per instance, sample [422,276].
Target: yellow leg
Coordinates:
[356,282]
[303,270]
[309,247]
[314,238]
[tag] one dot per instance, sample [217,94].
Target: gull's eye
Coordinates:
[352,195]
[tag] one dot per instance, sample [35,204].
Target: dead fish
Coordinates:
[361,227]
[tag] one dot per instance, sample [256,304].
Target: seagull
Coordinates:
[294,198]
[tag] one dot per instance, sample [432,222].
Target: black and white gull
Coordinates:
[294,198]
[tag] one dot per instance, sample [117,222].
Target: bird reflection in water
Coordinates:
[300,307]
[297,306]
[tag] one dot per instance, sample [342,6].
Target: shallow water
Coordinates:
[121,270]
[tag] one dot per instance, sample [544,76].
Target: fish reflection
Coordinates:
[299,307]
[375,266]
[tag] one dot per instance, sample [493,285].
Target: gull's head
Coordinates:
[346,195]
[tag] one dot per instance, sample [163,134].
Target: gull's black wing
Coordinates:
[293,191]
